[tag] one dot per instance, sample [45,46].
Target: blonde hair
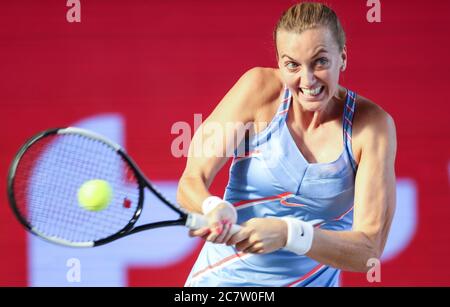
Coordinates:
[307,15]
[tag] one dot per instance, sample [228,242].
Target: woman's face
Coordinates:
[310,63]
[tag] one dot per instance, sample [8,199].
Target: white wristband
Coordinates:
[300,235]
[211,202]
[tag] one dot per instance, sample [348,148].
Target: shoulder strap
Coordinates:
[349,111]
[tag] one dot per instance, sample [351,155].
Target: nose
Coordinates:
[307,78]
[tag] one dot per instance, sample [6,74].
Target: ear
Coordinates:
[343,64]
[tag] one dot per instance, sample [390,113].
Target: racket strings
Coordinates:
[59,212]
[49,176]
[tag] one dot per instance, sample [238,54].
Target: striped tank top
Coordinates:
[273,179]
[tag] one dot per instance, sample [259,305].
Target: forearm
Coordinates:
[192,190]
[346,250]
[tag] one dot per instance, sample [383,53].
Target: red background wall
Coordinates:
[158,62]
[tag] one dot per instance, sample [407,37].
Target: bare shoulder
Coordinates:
[250,96]
[369,115]
[266,90]
[263,84]
[372,126]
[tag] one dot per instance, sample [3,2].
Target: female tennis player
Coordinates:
[314,190]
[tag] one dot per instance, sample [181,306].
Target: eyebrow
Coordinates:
[319,51]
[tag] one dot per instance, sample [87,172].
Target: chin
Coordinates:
[312,105]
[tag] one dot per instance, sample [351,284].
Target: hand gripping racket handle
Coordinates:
[196,221]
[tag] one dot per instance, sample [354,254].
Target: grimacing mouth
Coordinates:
[312,92]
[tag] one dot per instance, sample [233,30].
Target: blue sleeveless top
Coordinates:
[269,177]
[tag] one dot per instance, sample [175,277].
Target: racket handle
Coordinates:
[196,221]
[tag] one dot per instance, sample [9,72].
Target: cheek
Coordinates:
[334,81]
[325,76]
[329,78]
[291,80]
[334,74]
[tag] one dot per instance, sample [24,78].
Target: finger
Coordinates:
[211,237]
[254,248]
[205,237]
[243,245]
[199,232]
[229,234]
[238,237]
[216,230]
[225,230]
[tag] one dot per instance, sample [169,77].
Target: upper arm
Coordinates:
[217,137]
[375,183]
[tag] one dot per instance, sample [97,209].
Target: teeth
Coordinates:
[313,92]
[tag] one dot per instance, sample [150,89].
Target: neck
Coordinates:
[308,121]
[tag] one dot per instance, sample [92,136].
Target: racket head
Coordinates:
[44,179]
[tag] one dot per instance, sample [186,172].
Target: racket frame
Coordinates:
[190,220]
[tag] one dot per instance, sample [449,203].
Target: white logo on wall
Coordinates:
[74,13]
[374,273]
[448,171]
[374,14]
[74,272]
[404,223]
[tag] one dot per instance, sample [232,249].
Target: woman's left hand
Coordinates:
[260,236]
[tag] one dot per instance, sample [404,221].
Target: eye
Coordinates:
[322,61]
[291,65]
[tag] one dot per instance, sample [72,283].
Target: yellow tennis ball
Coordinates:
[94,195]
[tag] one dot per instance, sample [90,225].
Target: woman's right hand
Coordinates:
[220,220]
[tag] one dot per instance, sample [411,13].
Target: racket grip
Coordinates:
[196,221]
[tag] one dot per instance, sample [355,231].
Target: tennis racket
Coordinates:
[49,169]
